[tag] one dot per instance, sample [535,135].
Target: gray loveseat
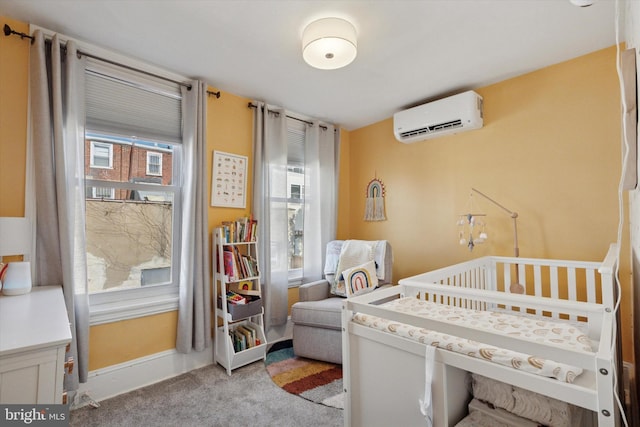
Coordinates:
[317,317]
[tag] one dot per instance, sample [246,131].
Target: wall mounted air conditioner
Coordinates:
[457,113]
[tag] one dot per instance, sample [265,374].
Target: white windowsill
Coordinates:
[130,309]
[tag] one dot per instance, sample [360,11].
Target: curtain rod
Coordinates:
[251,105]
[8,31]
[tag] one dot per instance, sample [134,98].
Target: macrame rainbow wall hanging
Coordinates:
[374,205]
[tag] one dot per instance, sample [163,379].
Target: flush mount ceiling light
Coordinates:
[329,43]
[582,3]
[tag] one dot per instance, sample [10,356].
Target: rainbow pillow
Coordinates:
[360,279]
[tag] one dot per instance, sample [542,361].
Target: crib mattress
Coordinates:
[565,335]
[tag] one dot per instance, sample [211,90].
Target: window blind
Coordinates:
[295,142]
[129,104]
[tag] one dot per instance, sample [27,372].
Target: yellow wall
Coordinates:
[14,76]
[118,342]
[229,129]
[549,150]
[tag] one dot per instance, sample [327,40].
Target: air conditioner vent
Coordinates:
[457,113]
[432,128]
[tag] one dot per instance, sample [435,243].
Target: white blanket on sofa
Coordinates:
[344,254]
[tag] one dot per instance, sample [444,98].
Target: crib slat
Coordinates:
[465,284]
[522,276]
[473,283]
[456,282]
[537,283]
[507,277]
[477,284]
[490,273]
[468,284]
[553,281]
[591,285]
[507,280]
[572,287]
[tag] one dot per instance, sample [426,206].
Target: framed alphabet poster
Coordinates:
[229,180]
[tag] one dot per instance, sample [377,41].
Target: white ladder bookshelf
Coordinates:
[239,337]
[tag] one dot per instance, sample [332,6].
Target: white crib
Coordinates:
[384,374]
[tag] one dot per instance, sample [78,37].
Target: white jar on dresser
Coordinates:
[34,334]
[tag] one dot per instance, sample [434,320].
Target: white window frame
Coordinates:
[94,193]
[109,147]
[117,305]
[107,307]
[150,155]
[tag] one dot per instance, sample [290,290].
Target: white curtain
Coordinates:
[194,315]
[320,188]
[270,203]
[270,209]
[57,140]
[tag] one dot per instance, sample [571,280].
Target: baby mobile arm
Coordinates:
[514,216]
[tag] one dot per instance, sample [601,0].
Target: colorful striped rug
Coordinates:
[317,381]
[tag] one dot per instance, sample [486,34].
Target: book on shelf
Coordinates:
[254,334]
[244,288]
[244,229]
[239,340]
[229,270]
[238,266]
[245,285]
[249,338]
[244,337]
[235,298]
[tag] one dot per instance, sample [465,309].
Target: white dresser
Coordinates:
[34,332]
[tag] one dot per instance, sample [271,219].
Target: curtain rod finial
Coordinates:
[8,31]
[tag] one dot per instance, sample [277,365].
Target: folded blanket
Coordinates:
[533,406]
[353,254]
[497,393]
[482,415]
[479,419]
[545,410]
[379,257]
[526,404]
[334,249]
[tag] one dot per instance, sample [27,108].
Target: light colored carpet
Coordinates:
[209,397]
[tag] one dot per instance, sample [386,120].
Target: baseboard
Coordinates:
[124,377]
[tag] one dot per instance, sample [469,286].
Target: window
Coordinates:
[101,155]
[295,191]
[154,163]
[127,239]
[133,214]
[295,198]
[103,193]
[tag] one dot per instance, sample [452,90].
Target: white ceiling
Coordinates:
[409,52]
